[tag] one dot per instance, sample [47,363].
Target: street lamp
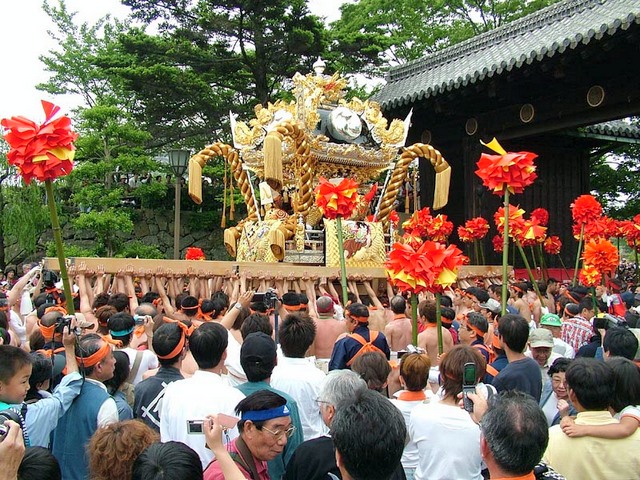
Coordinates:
[178,159]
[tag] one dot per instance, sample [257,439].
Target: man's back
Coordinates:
[576,331]
[327,332]
[591,458]
[398,333]
[429,341]
[149,393]
[522,375]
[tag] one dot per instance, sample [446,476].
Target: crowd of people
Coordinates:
[160,376]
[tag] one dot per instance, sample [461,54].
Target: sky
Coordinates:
[24,38]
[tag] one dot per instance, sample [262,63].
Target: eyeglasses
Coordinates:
[278,433]
[320,402]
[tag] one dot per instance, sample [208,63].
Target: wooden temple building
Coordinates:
[545,83]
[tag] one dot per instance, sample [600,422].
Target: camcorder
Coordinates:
[5,415]
[606,321]
[65,322]
[49,278]
[269,298]
[410,349]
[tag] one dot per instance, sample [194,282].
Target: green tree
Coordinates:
[107,225]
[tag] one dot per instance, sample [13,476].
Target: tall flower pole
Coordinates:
[336,199]
[44,152]
[584,209]
[503,174]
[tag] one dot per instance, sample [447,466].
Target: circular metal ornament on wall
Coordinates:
[527,112]
[471,127]
[595,96]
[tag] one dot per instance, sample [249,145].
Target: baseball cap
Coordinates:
[551,319]
[324,304]
[258,350]
[540,337]
[492,305]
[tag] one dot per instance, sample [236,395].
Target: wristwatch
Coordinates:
[238,306]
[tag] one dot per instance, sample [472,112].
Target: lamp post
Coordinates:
[178,159]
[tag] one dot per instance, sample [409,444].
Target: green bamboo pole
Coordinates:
[531,277]
[57,237]
[439,322]
[575,270]
[505,252]
[414,319]
[343,265]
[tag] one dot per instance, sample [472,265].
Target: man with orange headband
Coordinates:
[472,332]
[92,409]
[359,340]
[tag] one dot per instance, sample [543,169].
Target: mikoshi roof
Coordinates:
[545,33]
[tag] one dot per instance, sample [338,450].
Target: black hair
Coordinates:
[119,301]
[592,382]
[398,304]
[212,307]
[12,359]
[369,433]
[257,370]
[514,331]
[119,322]
[207,344]
[445,301]
[297,332]
[559,365]
[260,400]
[223,297]
[256,322]
[620,342]
[427,309]
[242,315]
[179,298]
[86,346]
[120,372]
[585,304]
[189,306]
[480,293]
[5,335]
[100,300]
[304,300]
[627,378]
[149,297]
[41,371]
[38,463]
[290,298]
[359,310]
[4,321]
[516,431]
[479,321]
[167,461]
[165,340]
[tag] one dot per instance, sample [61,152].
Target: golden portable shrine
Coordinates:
[279,155]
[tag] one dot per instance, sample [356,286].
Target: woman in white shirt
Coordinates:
[414,374]
[447,439]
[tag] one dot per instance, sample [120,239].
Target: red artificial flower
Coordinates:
[585,208]
[603,227]
[552,245]
[394,217]
[439,228]
[473,229]
[513,170]
[498,243]
[336,200]
[516,220]
[44,152]
[532,232]
[602,255]
[194,253]
[413,240]
[541,215]
[432,267]
[417,224]
[589,276]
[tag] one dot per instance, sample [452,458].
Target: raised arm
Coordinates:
[372,295]
[16,291]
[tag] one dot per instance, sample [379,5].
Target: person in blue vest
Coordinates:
[93,408]
[359,340]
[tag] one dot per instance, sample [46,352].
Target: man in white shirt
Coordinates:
[121,327]
[296,375]
[205,393]
[92,409]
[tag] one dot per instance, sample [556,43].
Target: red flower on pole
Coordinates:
[394,218]
[603,227]
[439,228]
[516,220]
[336,199]
[473,229]
[498,243]
[602,255]
[194,253]
[512,171]
[532,232]
[585,208]
[44,152]
[541,215]
[589,276]
[417,224]
[432,267]
[552,245]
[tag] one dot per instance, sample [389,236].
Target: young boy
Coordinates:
[15,370]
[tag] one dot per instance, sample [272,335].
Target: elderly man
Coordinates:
[264,426]
[541,350]
[552,322]
[591,386]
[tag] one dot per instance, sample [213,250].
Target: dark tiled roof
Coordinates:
[615,128]
[544,33]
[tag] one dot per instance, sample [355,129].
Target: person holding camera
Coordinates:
[11,449]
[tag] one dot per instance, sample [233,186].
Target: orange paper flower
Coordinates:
[552,245]
[602,227]
[602,255]
[513,170]
[418,223]
[498,243]
[44,152]
[516,220]
[585,208]
[439,228]
[541,215]
[337,200]
[432,267]
[589,276]
[194,253]
[394,217]
[473,229]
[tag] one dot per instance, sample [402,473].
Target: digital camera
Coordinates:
[269,298]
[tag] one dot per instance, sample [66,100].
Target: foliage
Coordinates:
[25,215]
[70,251]
[137,249]
[107,225]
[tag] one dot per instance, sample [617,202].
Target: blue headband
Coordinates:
[262,415]
[121,333]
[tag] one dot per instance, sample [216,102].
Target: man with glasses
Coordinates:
[265,427]
[258,358]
